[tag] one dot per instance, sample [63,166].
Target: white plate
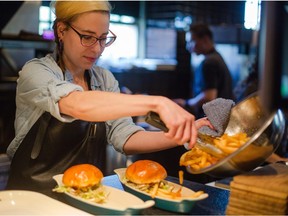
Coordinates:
[118,201]
[183,205]
[21,202]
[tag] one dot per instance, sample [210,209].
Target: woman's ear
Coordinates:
[61,27]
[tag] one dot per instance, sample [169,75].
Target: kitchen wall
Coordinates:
[25,19]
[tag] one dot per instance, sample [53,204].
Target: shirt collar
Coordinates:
[68,76]
[95,85]
[93,81]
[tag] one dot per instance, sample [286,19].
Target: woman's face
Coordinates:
[77,57]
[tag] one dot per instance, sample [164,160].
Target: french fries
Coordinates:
[198,159]
[154,190]
[229,144]
[175,193]
[181,177]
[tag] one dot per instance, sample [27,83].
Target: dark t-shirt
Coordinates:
[214,73]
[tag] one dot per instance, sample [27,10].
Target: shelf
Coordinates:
[24,43]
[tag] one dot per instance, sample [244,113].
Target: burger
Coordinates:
[82,176]
[148,176]
[83,180]
[145,172]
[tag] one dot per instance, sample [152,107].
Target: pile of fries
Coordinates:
[173,193]
[229,144]
[198,159]
[164,189]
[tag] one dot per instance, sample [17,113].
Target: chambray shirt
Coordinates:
[40,86]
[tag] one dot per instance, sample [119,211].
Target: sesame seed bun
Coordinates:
[145,172]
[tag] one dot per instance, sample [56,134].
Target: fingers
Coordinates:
[192,141]
[177,131]
[198,124]
[183,133]
[187,133]
[181,123]
[203,122]
[194,135]
[183,130]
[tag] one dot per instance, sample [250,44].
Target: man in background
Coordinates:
[212,78]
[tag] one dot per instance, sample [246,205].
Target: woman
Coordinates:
[68,108]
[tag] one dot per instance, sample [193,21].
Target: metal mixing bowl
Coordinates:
[266,132]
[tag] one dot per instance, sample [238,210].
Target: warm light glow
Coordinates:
[252,14]
[126,44]
[46,19]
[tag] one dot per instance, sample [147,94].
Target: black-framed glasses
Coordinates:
[89,40]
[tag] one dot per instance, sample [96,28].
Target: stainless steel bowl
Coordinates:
[266,132]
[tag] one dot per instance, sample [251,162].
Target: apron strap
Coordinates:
[44,122]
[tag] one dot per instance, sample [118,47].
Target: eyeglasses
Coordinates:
[88,40]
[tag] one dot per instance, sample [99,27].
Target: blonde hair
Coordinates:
[68,11]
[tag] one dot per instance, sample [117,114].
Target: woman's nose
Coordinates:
[97,47]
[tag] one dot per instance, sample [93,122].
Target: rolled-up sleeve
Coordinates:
[119,130]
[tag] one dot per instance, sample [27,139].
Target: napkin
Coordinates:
[218,112]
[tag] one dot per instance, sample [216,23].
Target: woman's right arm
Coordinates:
[103,106]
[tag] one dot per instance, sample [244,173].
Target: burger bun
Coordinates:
[82,176]
[145,172]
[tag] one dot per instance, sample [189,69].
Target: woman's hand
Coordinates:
[200,123]
[181,124]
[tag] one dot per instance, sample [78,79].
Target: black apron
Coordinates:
[50,147]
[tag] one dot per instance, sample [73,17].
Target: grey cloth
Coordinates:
[218,112]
